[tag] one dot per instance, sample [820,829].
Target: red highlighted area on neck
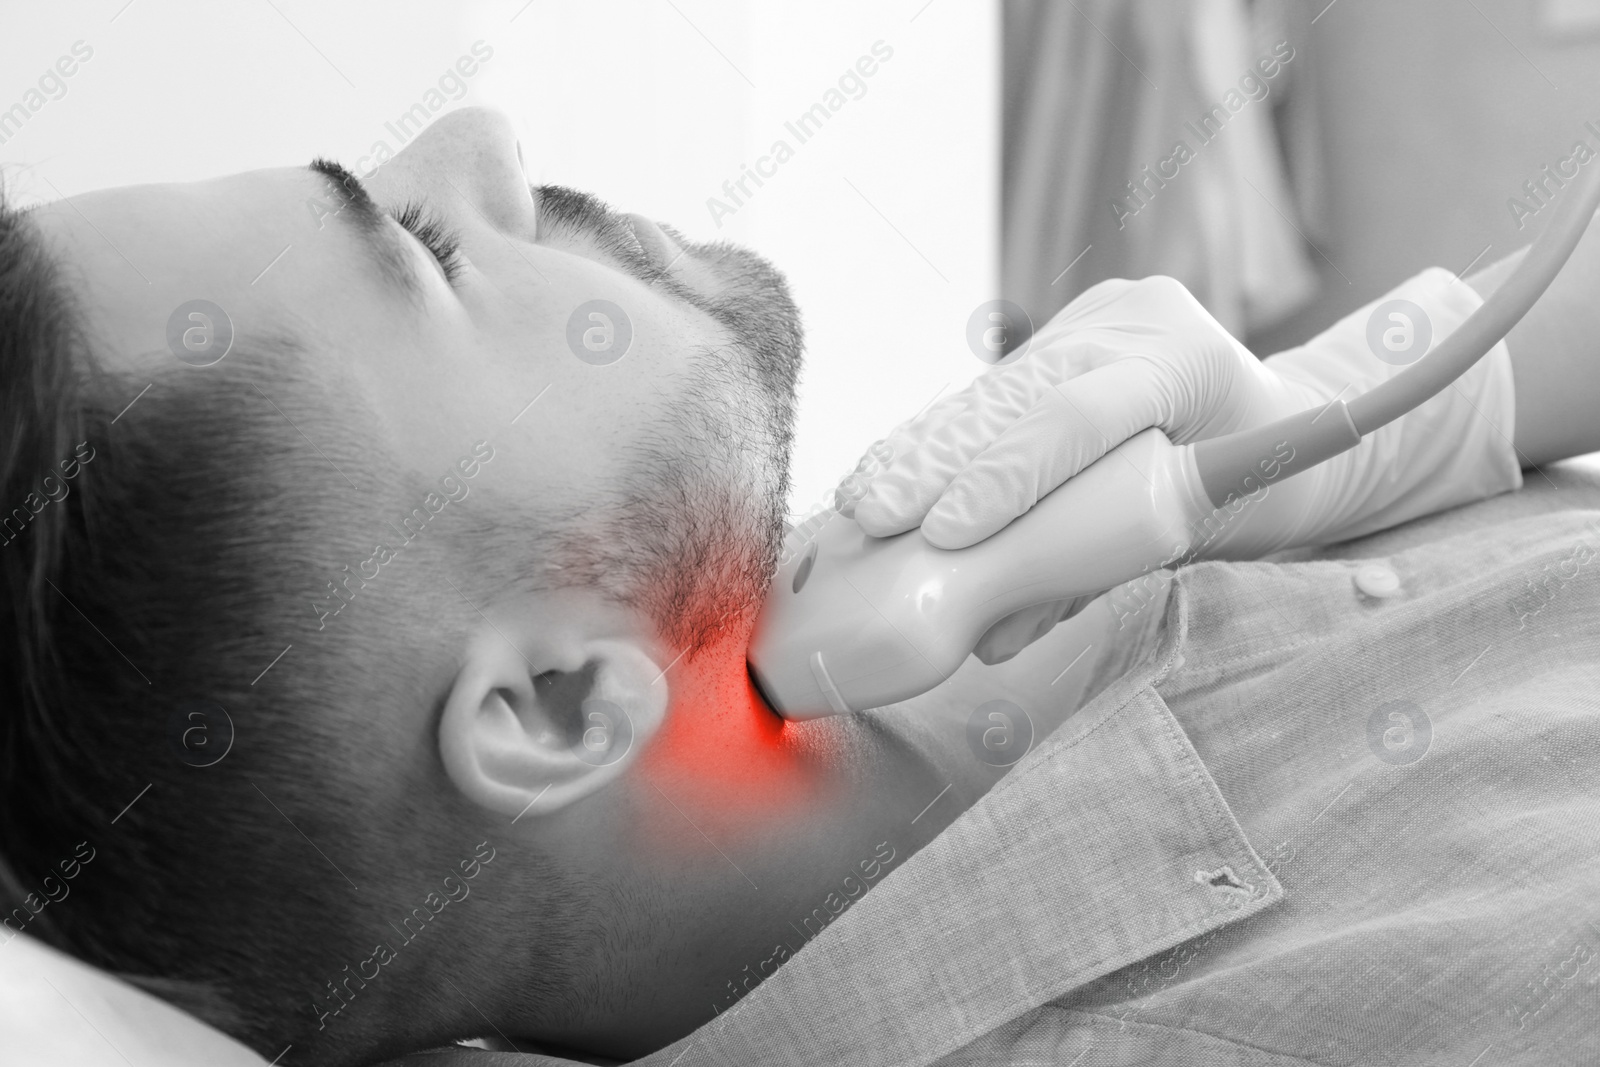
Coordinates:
[723,757]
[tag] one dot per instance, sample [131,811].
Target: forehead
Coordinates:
[136,255]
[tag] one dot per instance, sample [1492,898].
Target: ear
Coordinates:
[545,712]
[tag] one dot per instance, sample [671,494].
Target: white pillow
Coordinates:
[58,1010]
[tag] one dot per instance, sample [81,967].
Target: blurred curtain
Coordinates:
[1095,92]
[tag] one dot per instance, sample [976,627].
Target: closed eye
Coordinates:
[443,243]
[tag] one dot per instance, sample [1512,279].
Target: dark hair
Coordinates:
[155,556]
[38,386]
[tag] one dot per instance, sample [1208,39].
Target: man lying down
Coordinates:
[314,601]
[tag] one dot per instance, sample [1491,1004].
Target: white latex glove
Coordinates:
[1128,355]
[1122,357]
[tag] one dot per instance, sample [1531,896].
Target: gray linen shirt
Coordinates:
[1298,823]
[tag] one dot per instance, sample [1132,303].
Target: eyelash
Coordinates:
[443,243]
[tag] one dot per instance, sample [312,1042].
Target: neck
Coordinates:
[723,750]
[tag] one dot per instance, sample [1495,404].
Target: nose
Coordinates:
[467,165]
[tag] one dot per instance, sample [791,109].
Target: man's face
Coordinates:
[595,352]
[656,478]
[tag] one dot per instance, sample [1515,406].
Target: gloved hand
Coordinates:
[1128,355]
[1123,356]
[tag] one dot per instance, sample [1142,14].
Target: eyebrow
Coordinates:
[366,219]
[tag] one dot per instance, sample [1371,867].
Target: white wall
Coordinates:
[884,221]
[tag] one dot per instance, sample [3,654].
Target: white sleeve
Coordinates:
[1451,450]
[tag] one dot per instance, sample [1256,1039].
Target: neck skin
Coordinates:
[733,828]
[725,756]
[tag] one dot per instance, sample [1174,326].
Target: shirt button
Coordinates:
[1378,580]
